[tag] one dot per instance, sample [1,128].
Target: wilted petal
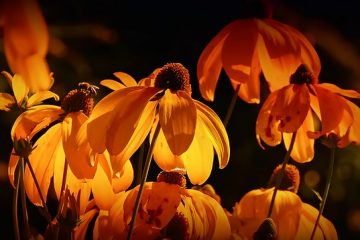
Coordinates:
[291,107]
[38,97]
[6,101]
[209,64]
[303,150]
[177,116]
[48,149]
[216,132]
[126,79]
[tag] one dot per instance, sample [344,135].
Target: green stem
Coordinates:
[326,192]
[23,200]
[281,174]
[47,214]
[15,204]
[140,163]
[231,106]
[143,179]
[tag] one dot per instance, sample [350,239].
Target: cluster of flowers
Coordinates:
[83,149]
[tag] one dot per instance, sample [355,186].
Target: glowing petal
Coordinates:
[102,227]
[177,115]
[14,159]
[81,230]
[126,79]
[124,181]
[209,64]
[344,92]
[19,88]
[116,215]
[352,136]
[112,84]
[6,101]
[38,97]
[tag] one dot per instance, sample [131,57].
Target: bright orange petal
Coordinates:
[78,156]
[126,79]
[209,64]
[116,215]
[19,88]
[6,101]
[303,150]
[177,116]
[124,181]
[127,120]
[14,159]
[239,53]
[352,136]
[35,119]
[344,92]
[81,230]
[48,149]
[102,226]
[38,97]
[112,84]
[291,107]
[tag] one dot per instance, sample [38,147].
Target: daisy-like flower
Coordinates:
[291,218]
[247,47]
[168,211]
[294,107]
[26,41]
[189,130]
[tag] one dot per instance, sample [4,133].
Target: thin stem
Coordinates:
[23,200]
[327,188]
[140,164]
[143,179]
[281,174]
[231,106]
[63,184]
[48,216]
[15,205]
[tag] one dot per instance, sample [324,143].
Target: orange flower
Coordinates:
[293,218]
[167,211]
[290,109]
[26,42]
[189,130]
[247,47]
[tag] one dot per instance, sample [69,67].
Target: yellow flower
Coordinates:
[189,130]
[293,218]
[26,40]
[167,211]
[291,109]
[247,47]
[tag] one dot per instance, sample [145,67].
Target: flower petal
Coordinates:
[209,64]
[19,88]
[126,79]
[48,149]
[38,97]
[291,107]
[14,159]
[35,119]
[352,136]
[81,230]
[77,156]
[216,132]
[344,92]
[177,116]
[112,84]
[124,181]
[6,101]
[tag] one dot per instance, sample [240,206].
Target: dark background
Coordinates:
[92,39]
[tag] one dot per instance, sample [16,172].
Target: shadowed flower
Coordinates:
[247,47]
[295,107]
[26,40]
[189,130]
[167,211]
[291,218]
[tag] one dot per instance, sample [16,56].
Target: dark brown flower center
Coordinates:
[290,180]
[302,75]
[177,228]
[80,99]
[172,177]
[173,76]
[266,231]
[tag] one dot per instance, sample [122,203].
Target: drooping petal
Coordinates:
[35,119]
[266,125]
[116,215]
[128,117]
[344,92]
[177,117]
[216,132]
[48,149]
[6,101]
[139,133]
[19,88]
[249,91]
[38,97]
[303,150]
[112,84]
[352,135]
[124,181]
[78,156]
[291,107]
[198,159]
[126,79]
[239,55]
[209,64]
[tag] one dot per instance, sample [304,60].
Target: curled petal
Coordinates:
[209,64]
[38,97]
[126,79]
[6,101]
[177,116]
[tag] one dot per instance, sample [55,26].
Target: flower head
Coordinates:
[247,47]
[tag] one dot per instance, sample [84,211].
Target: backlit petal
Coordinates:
[216,132]
[116,214]
[6,101]
[38,97]
[112,84]
[291,107]
[102,226]
[352,136]
[127,120]
[81,230]
[344,92]
[177,116]
[14,159]
[48,149]
[19,88]
[124,181]
[209,64]
[239,53]
[126,79]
